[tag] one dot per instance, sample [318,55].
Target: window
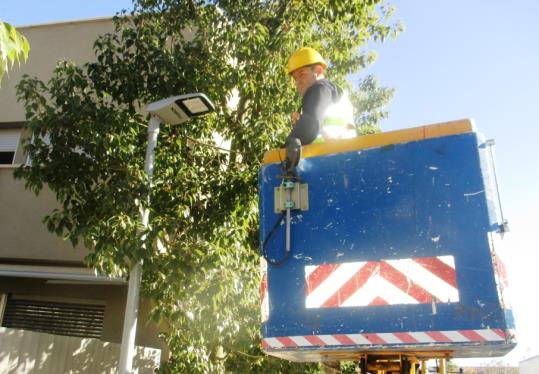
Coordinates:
[59,318]
[9,141]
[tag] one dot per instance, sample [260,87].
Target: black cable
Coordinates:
[270,234]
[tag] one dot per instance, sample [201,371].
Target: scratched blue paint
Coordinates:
[419,199]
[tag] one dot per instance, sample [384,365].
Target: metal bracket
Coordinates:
[503,227]
[299,197]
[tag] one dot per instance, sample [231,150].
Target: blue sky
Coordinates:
[30,12]
[456,59]
[480,60]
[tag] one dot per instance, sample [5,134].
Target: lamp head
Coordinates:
[178,109]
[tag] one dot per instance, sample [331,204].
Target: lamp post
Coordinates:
[173,110]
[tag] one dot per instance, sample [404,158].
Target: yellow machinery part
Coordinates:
[385,362]
[377,140]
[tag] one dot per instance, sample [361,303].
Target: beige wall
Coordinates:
[24,235]
[53,354]
[49,43]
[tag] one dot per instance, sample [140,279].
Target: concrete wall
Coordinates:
[529,366]
[24,235]
[49,43]
[33,352]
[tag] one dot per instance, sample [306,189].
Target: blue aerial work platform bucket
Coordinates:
[392,249]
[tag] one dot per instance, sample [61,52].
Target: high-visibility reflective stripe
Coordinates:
[331,121]
[337,121]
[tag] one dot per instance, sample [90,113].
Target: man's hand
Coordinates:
[295,118]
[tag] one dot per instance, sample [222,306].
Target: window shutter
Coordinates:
[9,139]
[82,320]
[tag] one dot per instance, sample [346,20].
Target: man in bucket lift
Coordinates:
[326,111]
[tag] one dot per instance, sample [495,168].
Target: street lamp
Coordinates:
[173,110]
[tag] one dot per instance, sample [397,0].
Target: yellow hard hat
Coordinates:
[304,57]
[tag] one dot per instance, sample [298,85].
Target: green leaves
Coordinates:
[200,254]
[369,101]
[13,47]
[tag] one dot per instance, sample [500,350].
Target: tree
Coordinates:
[13,47]
[201,258]
[369,101]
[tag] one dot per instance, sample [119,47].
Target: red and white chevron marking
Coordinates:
[388,282]
[407,338]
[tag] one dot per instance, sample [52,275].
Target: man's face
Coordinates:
[304,78]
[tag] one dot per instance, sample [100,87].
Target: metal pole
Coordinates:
[289,204]
[127,351]
[287,233]
[504,225]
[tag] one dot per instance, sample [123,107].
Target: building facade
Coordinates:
[45,286]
